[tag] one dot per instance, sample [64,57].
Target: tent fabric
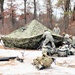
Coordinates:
[27,36]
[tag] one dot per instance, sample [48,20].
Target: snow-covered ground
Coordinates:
[63,66]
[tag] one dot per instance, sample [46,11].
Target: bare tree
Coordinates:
[49,13]
[25,11]
[12,9]
[65,5]
[1,8]
[74,13]
[66,13]
[34,9]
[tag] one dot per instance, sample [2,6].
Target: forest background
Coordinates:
[17,13]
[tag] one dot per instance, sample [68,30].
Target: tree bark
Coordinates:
[25,11]
[49,13]
[74,13]
[12,14]
[66,14]
[2,16]
[34,10]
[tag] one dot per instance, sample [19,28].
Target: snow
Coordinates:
[14,67]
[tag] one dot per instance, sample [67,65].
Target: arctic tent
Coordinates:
[28,36]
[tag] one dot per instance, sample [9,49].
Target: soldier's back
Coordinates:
[47,61]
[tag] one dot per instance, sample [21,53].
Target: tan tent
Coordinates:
[28,36]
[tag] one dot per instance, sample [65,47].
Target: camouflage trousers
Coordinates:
[46,41]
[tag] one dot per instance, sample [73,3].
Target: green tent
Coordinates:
[28,36]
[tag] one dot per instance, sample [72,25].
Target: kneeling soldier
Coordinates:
[43,62]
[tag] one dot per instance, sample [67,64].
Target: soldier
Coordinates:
[49,50]
[43,62]
[48,38]
[73,41]
[56,29]
[63,50]
[63,34]
[68,39]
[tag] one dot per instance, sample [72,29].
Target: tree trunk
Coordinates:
[25,11]
[13,18]
[49,13]
[34,9]
[12,14]
[66,14]
[74,13]
[2,16]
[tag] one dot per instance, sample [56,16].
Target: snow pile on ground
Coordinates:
[63,65]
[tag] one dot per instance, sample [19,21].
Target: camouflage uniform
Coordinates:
[63,51]
[68,39]
[56,29]
[43,62]
[48,37]
[48,50]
